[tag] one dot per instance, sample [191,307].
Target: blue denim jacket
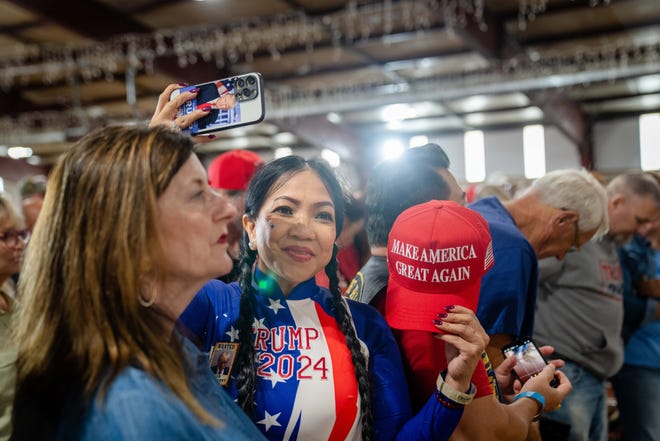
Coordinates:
[138,407]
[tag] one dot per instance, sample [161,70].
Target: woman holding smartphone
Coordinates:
[128,233]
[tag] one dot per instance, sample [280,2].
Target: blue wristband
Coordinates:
[534,396]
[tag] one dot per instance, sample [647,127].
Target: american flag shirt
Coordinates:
[306,385]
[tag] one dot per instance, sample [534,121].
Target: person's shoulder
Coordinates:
[218,286]
[506,235]
[134,405]
[366,316]
[486,205]
[493,211]
[133,381]
[361,308]
[369,281]
[215,290]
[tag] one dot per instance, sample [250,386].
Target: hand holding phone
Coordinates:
[232,102]
[530,361]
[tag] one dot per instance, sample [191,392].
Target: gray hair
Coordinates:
[9,211]
[642,185]
[577,190]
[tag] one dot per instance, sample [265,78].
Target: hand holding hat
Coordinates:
[437,253]
[465,339]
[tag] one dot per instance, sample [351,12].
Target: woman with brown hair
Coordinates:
[129,231]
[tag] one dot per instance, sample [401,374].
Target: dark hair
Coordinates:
[430,154]
[265,181]
[355,209]
[395,186]
[33,185]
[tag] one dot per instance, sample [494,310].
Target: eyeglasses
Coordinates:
[12,238]
[576,245]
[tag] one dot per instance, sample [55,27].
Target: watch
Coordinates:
[540,401]
[449,392]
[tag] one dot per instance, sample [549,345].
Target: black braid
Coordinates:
[246,356]
[359,362]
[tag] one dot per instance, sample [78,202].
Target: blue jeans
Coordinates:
[637,392]
[585,408]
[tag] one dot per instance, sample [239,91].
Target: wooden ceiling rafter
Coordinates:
[493,42]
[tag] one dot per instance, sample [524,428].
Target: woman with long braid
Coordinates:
[309,364]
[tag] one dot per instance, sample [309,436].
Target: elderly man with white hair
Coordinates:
[560,211]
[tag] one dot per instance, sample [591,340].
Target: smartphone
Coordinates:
[235,101]
[530,361]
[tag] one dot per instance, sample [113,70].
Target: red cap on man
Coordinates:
[437,253]
[234,169]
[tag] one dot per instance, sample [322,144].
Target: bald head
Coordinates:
[634,201]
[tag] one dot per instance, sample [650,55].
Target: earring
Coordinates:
[251,245]
[147,303]
[147,287]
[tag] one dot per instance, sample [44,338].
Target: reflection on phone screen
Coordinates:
[530,361]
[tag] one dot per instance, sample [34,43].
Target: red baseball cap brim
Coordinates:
[415,311]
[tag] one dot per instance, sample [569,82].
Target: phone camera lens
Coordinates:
[251,81]
[247,93]
[240,82]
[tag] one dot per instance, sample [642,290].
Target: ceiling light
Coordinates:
[475,103]
[394,125]
[281,152]
[19,152]
[285,138]
[333,117]
[397,112]
[392,148]
[331,157]
[418,141]
[648,84]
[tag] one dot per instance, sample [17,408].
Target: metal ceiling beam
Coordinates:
[424,90]
[488,36]
[97,21]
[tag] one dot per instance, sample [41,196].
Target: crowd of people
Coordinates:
[250,299]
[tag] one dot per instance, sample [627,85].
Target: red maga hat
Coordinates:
[234,169]
[437,253]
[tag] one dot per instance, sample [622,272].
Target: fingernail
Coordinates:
[212,136]
[195,90]
[205,108]
[183,84]
[442,314]
[437,322]
[449,307]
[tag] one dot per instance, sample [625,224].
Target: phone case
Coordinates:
[236,101]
